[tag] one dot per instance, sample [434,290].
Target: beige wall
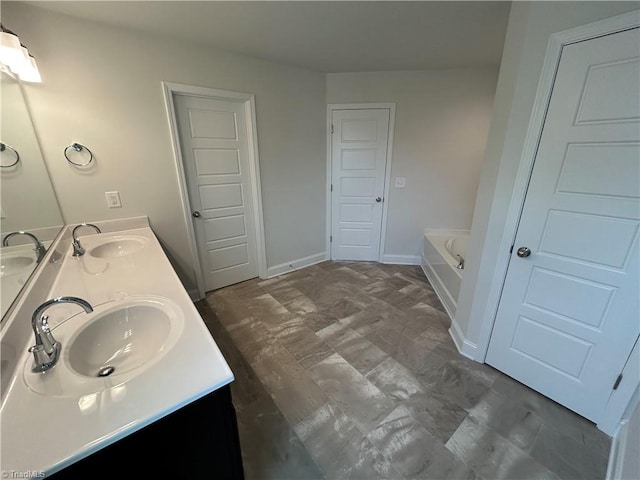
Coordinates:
[530,25]
[442,121]
[102,88]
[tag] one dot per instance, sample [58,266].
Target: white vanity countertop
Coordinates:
[47,432]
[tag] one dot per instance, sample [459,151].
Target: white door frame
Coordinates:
[248,99]
[543,96]
[387,175]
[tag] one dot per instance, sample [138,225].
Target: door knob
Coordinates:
[196,214]
[523,252]
[379,199]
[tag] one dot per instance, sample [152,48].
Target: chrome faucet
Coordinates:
[40,250]
[460,265]
[77,248]
[46,351]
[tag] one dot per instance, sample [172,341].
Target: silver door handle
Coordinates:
[524,252]
[196,214]
[379,199]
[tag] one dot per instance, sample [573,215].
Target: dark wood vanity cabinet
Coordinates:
[200,440]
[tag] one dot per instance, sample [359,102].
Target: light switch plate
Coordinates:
[113,199]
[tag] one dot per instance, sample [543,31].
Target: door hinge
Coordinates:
[332,187]
[330,238]
[618,380]
[511,249]
[332,128]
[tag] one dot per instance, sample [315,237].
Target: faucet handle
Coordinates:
[39,355]
[41,251]
[78,250]
[43,361]
[46,336]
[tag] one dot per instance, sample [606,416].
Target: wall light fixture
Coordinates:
[17,58]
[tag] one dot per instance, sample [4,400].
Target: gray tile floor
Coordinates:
[346,370]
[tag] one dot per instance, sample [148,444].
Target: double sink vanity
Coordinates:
[107,366]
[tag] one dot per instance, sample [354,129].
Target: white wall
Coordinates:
[530,25]
[442,121]
[102,88]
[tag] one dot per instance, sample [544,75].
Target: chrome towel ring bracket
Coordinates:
[4,147]
[77,148]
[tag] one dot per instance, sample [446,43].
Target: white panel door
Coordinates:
[568,315]
[214,146]
[358,164]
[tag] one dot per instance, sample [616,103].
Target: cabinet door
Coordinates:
[200,440]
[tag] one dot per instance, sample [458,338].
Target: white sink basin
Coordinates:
[13,263]
[118,247]
[118,341]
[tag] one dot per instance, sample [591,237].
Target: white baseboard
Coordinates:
[295,264]
[464,346]
[401,259]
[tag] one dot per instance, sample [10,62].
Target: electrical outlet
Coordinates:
[113,199]
[400,182]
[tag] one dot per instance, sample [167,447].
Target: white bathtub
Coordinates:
[440,257]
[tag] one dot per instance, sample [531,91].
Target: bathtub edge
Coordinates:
[438,286]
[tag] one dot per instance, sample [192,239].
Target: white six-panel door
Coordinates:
[358,165]
[568,315]
[214,146]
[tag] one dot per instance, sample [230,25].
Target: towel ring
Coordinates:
[3,147]
[77,148]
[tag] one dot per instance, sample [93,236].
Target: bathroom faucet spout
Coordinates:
[39,247]
[78,250]
[46,351]
[460,265]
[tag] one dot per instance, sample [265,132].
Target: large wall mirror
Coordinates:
[30,215]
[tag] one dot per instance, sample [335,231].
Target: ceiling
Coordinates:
[330,36]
